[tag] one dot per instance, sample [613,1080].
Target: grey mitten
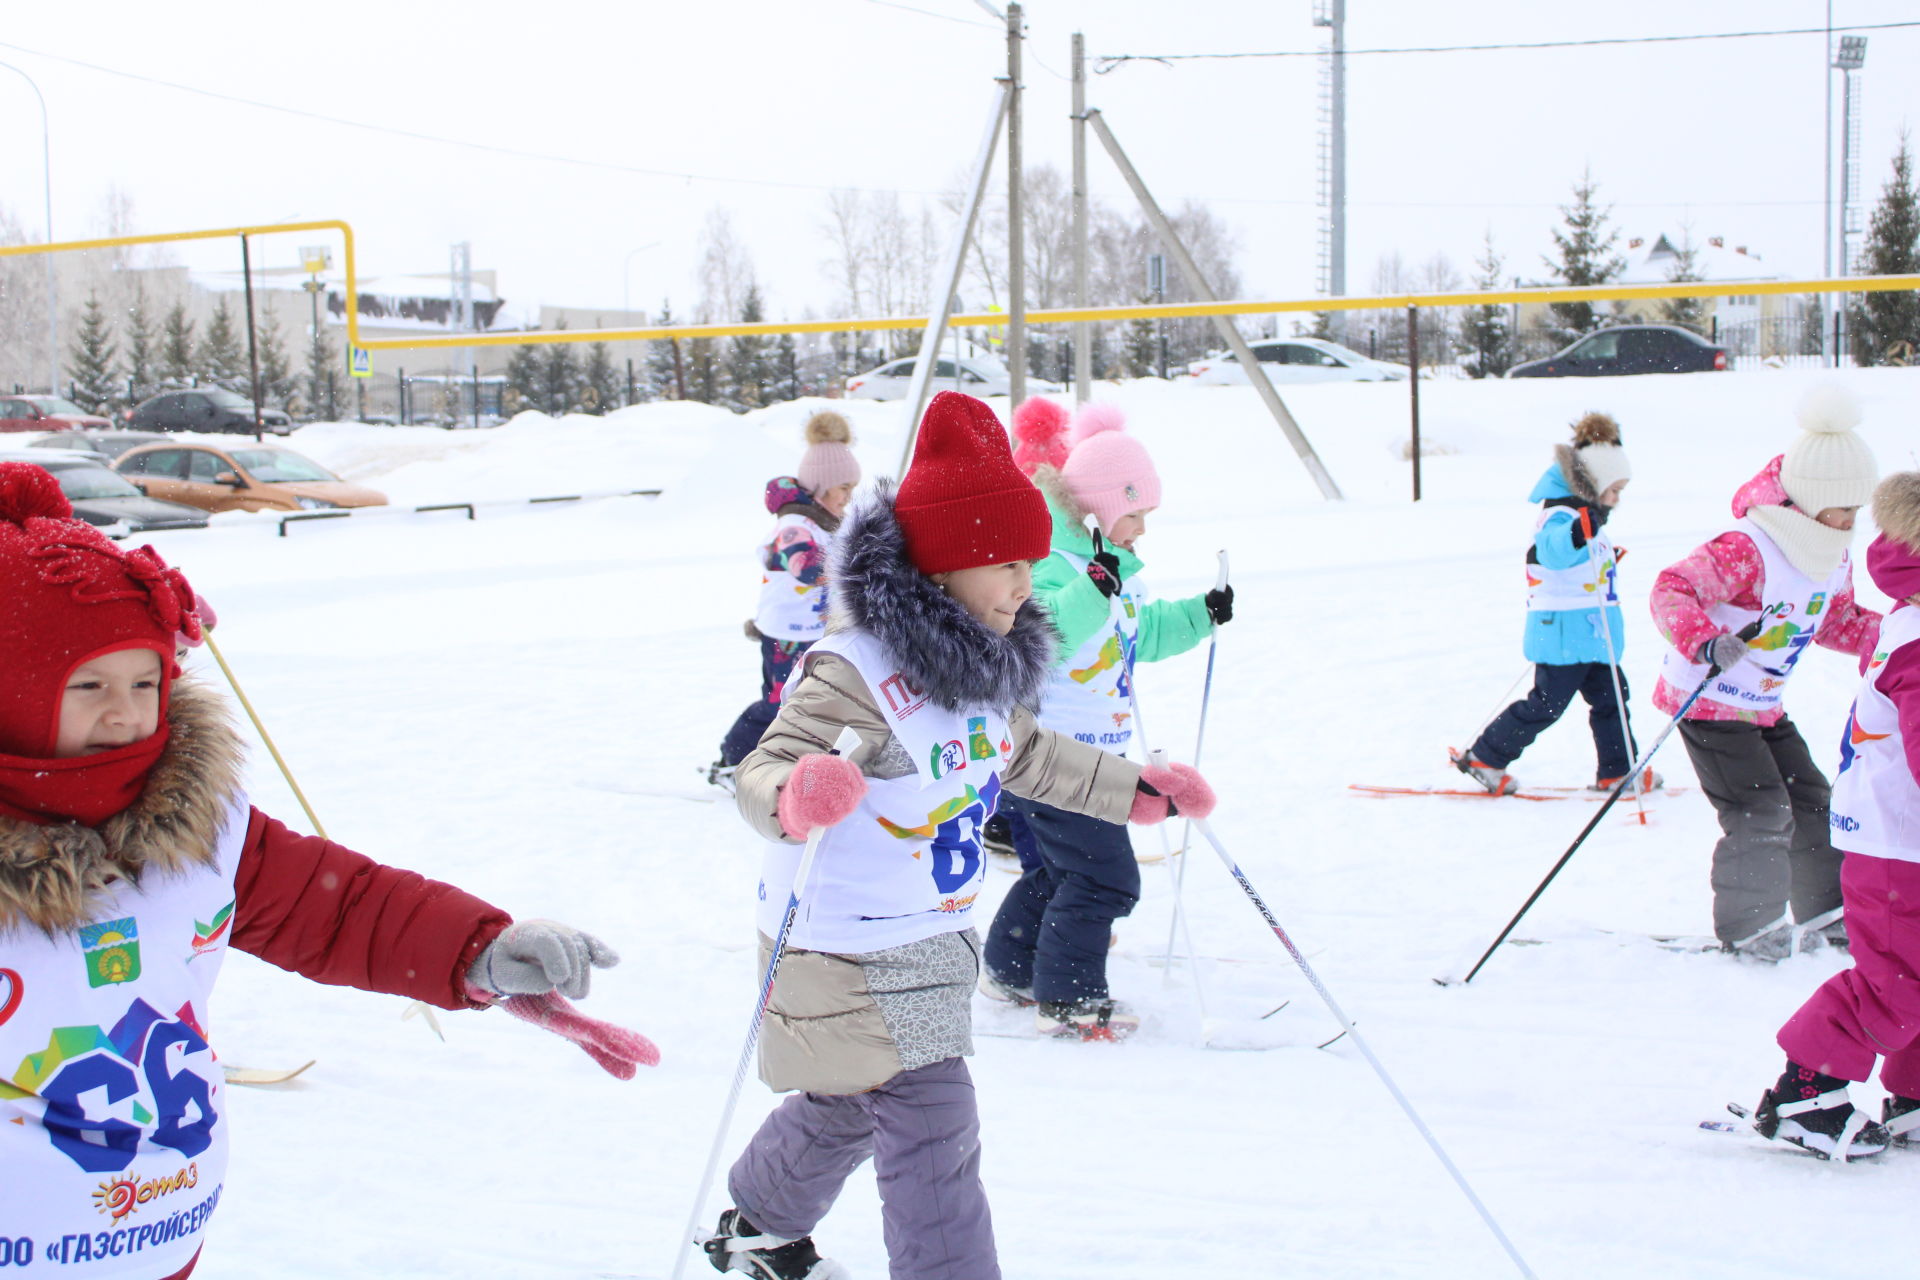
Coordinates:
[1724,651]
[534,957]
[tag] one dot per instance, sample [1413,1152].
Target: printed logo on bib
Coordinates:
[103,1089]
[1854,738]
[112,951]
[13,989]
[122,1196]
[948,756]
[902,695]
[211,937]
[954,829]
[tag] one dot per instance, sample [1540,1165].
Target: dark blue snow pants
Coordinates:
[776,664]
[1078,876]
[1554,685]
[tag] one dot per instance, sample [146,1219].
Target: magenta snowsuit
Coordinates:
[1873,1009]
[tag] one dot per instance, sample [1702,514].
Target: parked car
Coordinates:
[45,413]
[1294,360]
[110,444]
[1629,348]
[101,497]
[979,376]
[72,441]
[204,409]
[247,477]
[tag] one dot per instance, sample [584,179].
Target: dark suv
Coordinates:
[204,409]
[1629,348]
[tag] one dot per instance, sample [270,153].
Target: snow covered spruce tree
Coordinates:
[1688,313]
[661,382]
[1485,342]
[90,366]
[223,360]
[749,365]
[176,348]
[323,377]
[143,377]
[602,388]
[703,371]
[1882,321]
[277,378]
[526,388]
[1586,258]
[562,387]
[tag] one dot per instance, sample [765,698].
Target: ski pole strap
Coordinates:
[619,1052]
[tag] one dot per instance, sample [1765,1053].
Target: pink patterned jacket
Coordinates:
[1728,570]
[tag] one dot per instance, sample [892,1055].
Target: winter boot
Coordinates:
[1811,1111]
[737,1245]
[996,836]
[1497,781]
[1899,1117]
[994,989]
[1771,944]
[1647,781]
[1828,929]
[1091,1018]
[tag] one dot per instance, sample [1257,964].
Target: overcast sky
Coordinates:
[763,106]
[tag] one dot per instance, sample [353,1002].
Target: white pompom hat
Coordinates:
[1829,465]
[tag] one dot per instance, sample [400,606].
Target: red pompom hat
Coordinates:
[68,595]
[963,503]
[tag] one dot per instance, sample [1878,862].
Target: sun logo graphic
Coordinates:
[119,1197]
[112,951]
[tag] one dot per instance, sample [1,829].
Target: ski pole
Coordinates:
[842,745]
[1266,913]
[1745,633]
[1199,741]
[1128,670]
[265,737]
[1613,659]
[1499,706]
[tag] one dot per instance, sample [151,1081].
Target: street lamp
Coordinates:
[1850,58]
[53,301]
[626,294]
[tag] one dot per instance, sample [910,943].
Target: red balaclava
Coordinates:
[68,595]
[963,503]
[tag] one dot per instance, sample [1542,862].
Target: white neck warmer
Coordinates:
[1811,547]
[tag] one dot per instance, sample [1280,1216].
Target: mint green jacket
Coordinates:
[1079,610]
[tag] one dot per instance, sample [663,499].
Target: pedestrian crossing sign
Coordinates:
[359,362]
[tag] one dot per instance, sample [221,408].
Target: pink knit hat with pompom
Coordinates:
[1039,434]
[1107,471]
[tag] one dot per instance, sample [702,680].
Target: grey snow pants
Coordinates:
[922,1129]
[1772,803]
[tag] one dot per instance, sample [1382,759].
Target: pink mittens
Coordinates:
[821,790]
[1180,790]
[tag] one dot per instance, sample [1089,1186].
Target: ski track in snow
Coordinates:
[492,703]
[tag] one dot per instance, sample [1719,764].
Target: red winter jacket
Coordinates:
[336,916]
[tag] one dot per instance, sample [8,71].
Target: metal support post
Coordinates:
[1016,226]
[1082,348]
[1413,383]
[948,280]
[253,350]
[1223,324]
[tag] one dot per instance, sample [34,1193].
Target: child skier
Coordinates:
[1873,1009]
[935,658]
[1782,575]
[793,564]
[129,862]
[1572,576]
[1049,941]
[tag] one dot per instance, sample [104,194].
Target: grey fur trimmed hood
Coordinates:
[941,647]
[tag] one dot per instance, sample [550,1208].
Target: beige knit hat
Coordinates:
[1829,465]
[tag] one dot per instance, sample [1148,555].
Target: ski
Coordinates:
[1680,943]
[1462,793]
[1745,1129]
[261,1076]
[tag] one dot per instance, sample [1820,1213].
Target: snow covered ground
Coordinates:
[519,703]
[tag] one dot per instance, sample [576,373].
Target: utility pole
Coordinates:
[1016,223]
[1332,14]
[1082,349]
[1826,185]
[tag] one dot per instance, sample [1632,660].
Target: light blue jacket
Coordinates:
[1566,636]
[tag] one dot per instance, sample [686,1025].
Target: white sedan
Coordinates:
[1295,360]
[975,375]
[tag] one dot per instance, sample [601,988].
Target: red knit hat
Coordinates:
[68,594]
[963,504]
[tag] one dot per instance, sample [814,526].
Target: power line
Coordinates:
[489,147]
[1108,62]
[928,13]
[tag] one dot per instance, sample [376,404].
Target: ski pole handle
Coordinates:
[1220,583]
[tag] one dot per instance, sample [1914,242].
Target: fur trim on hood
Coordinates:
[1896,508]
[51,877]
[941,648]
[1574,472]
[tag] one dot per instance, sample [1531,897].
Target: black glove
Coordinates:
[1104,569]
[1220,605]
